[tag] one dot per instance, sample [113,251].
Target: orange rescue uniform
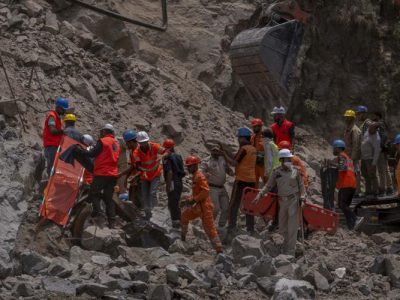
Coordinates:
[347,176]
[257,142]
[202,209]
[298,163]
[149,162]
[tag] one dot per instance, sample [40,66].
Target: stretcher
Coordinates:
[315,217]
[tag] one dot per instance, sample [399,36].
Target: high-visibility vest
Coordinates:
[282,133]
[347,178]
[106,163]
[149,162]
[50,139]
[245,170]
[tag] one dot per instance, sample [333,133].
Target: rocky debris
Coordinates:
[172,273]
[244,245]
[247,261]
[267,284]
[317,280]
[32,263]
[388,265]
[91,289]
[60,267]
[51,24]
[59,286]
[159,292]
[293,289]
[23,289]
[8,107]
[263,267]
[102,239]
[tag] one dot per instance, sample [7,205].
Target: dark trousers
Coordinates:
[135,193]
[369,172]
[345,196]
[50,154]
[106,185]
[174,197]
[234,205]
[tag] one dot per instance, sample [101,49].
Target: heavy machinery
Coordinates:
[264,57]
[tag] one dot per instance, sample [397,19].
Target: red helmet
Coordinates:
[168,144]
[192,160]
[284,145]
[257,122]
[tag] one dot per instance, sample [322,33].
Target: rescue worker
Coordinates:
[199,205]
[282,128]
[291,191]
[132,173]
[148,163]
[52,131]
[370,151]
[257,142]
[397,171]
[271,157]
[385,179]
[215,168]
[244,162]
[69,128]
[352,139]
[296,162]
[173,175]
[106,154]
[362,118]
[346,184]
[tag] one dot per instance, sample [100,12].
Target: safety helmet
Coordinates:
[350,113]
[142,137]
[70,117]
[169,144]
[62,102]
[339,144]
[108,127]
[284,145]
[285,153]
[244,132]
[397,140]
[129,135]
[278,110]
[88,140]
[192,160]
[361,109]
[257,122]
[123,197]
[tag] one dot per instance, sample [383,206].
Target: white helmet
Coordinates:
[285,153]
[142,137]
[88,140]
[278,110]
[108,127]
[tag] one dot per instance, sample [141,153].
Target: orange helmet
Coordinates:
[284,145]
[192,160]
[257,122]
[168,144]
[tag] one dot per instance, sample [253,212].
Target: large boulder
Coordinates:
[244,245]
[159,292]
[263,267]
[58,285]
[32,263]
[92,289]
[60,267]
[388,265]
[293,289]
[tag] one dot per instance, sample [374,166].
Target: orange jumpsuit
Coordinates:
[202,209]
[298,163]
[257,142]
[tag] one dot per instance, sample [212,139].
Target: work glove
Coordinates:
[256,199]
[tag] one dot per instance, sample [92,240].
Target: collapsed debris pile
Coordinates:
[153,86]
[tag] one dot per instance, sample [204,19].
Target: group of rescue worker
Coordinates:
[264,161]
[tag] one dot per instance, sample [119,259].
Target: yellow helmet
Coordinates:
[350,113]
[70,117]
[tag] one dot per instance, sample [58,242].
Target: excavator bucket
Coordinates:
[264,58]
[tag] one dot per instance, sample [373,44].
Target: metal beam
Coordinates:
[109,13]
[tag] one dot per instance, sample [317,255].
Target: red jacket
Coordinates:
[50,139]
[347,177]
[106,163]
[282,132]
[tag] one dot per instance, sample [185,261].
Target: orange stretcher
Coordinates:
[315,217]
[62,188]
[318,218]
[266,208]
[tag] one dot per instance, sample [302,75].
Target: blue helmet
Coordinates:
[361,109]
[62,102]
[124,197]
[244,132]
[397,140]
[339,144]
[129,135]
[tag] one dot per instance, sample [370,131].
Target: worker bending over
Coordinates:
[199,205]
[106,154]
[53,132]
[290,188]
